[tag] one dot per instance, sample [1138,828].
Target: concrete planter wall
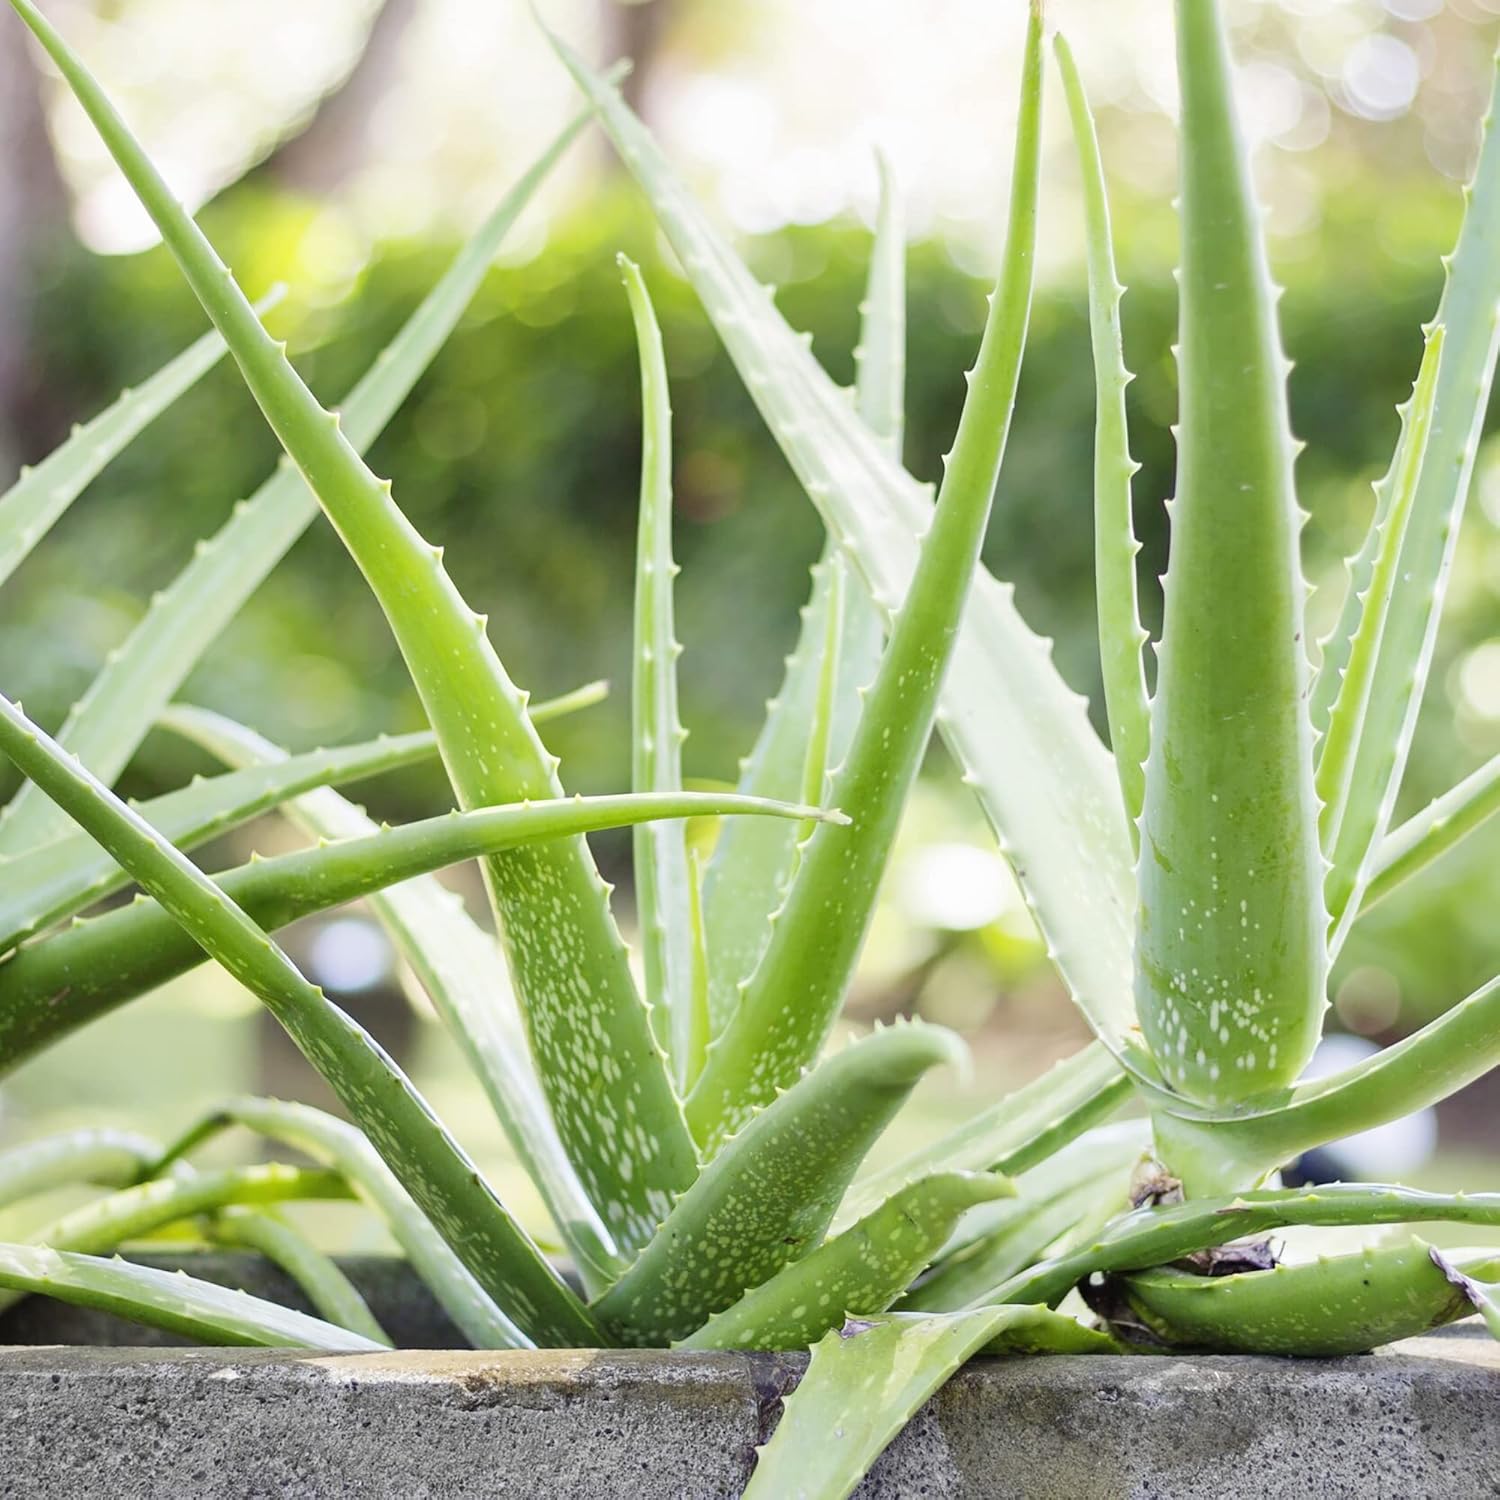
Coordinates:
[1420,1421]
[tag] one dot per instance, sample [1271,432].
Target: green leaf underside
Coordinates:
[39,497]
[333,1296]
[53,986]
[327,1139]
[199,1310]
[1468,315]
[1046,782]
[798,987]
[768,1197]
[133,1212]
[1480,1283]
[863,1386]
[460,968]
[139,679]
[858,1273]
[108,1158]
[1122,666]
[1336,790]
[606,1079]
[377,1094]
[1155,1236]
[1231,952]
[663,874]
[1344,1304]
[1014,1133]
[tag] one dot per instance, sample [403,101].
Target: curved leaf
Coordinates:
[110,1158]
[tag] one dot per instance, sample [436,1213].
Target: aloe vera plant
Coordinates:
[698,1156]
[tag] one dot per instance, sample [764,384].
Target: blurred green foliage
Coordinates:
[519,453]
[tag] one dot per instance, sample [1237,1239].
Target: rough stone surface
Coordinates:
[1421,1420]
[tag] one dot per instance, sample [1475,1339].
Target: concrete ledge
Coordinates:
[1422,1420]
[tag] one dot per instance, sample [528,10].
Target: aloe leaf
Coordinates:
[327,1139]
[333,1296]
[867,1380]
[621,1124]
[1467,313]
[1014,1133]
[662,873]
[1231,952]
[1154,1236]
[1343,1304]
[142,674]
[796,990]
[1340,795]
[109,1158]
[1208,1149]
[769,1196]
[200,1310]
[36,500]
[857,1273]
[71,872]
[1444,822]
[1121,637]
[51,987]
[751,867]
[1047,784]
[460,968]
[428,1161]
[1480,1283]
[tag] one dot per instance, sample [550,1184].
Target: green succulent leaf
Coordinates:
[52,987]
[1121,637]
[428,1161]
[111,719]
[795,993]
[1155,1236]
[606,1078]
[1478,1280]
[663,874]
[858,1273]
[1230,952]
[768,1197]
[200,1310]
[35,501]
[867,1380]
[1343,1304]
[336,1142]
[333,1296]
[1468,315]
[1046,783]
[108,1158]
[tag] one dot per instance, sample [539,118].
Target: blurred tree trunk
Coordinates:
[637,29]
[33,220]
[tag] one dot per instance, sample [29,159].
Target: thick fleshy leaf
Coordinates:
[606,1078]
[1046,783]
[65,980]
[200,1310]
[858,1273]
[1470,316]
[140,677]
[798,987]
[1479,1282]
[1342,1304]
[866,1381]
[1231,951]
[109,1158]
[333,1296]
[1156,1236]
[768,1197]
[1121,638]
[429,1163]
[663,873]
[344,1148]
